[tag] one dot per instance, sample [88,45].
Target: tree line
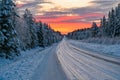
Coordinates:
[22,33]
[109,27]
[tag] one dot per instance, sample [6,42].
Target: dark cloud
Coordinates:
[31,4]
[105,2]
[34,4]
[105,5]
[56,13]
[45,17]
[83,19]
[99,6]
[86,10]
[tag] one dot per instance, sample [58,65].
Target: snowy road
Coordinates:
[79,64]
[38,65]
[63,61]
[49,69]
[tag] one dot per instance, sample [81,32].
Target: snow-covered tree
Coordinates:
[23,33]
[40,33]
[103,27]
[46,35]
[32,28]
[117,21]
[94,29]
[114,22]
[9,42]
[109,27]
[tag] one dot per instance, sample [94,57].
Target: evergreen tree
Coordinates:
[94,29]
[32,28]
[109,27]
[104,27]
[40,34]
[9,42]
[117,21]
[111,23]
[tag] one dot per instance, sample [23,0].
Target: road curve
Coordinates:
[79,64]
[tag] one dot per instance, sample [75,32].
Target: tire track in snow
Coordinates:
[78,64]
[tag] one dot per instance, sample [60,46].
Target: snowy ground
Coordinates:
[33,65]
[4,62]
[113,50]
[80,64]
[68,60]
[22,67]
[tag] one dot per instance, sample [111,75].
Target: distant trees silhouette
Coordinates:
[109,27]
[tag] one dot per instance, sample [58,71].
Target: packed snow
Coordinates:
[22,67]
[113,49]
[80,64]
[63,61]
[49,69]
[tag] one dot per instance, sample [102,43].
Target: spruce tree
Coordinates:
[117,21]
[94,29]
[32,28]
[40,34]
[9,42]
[104,27]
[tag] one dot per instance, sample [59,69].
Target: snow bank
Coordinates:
[23,54]
[113,50]
[103,40]
[23,67]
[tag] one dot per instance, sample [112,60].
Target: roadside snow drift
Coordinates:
[23,68]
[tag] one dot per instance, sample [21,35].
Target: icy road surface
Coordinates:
[80,64]
[50,68]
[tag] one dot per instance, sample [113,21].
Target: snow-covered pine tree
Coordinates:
[40,33]
[32,28]
[103,27]
[111,23]
[117,21]
[109,27]
[94,29]
[9,42]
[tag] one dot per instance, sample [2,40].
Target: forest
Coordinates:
[109,28]
[22,32]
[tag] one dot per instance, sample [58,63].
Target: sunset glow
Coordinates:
[69,27]
[67,15]
[67,24]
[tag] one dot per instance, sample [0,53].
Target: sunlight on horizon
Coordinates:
[72,12]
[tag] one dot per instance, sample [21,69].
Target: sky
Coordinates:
[67,15]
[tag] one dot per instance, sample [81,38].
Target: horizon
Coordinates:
[70,16]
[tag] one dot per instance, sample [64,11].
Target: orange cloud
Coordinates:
[57,19]
[93,15]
